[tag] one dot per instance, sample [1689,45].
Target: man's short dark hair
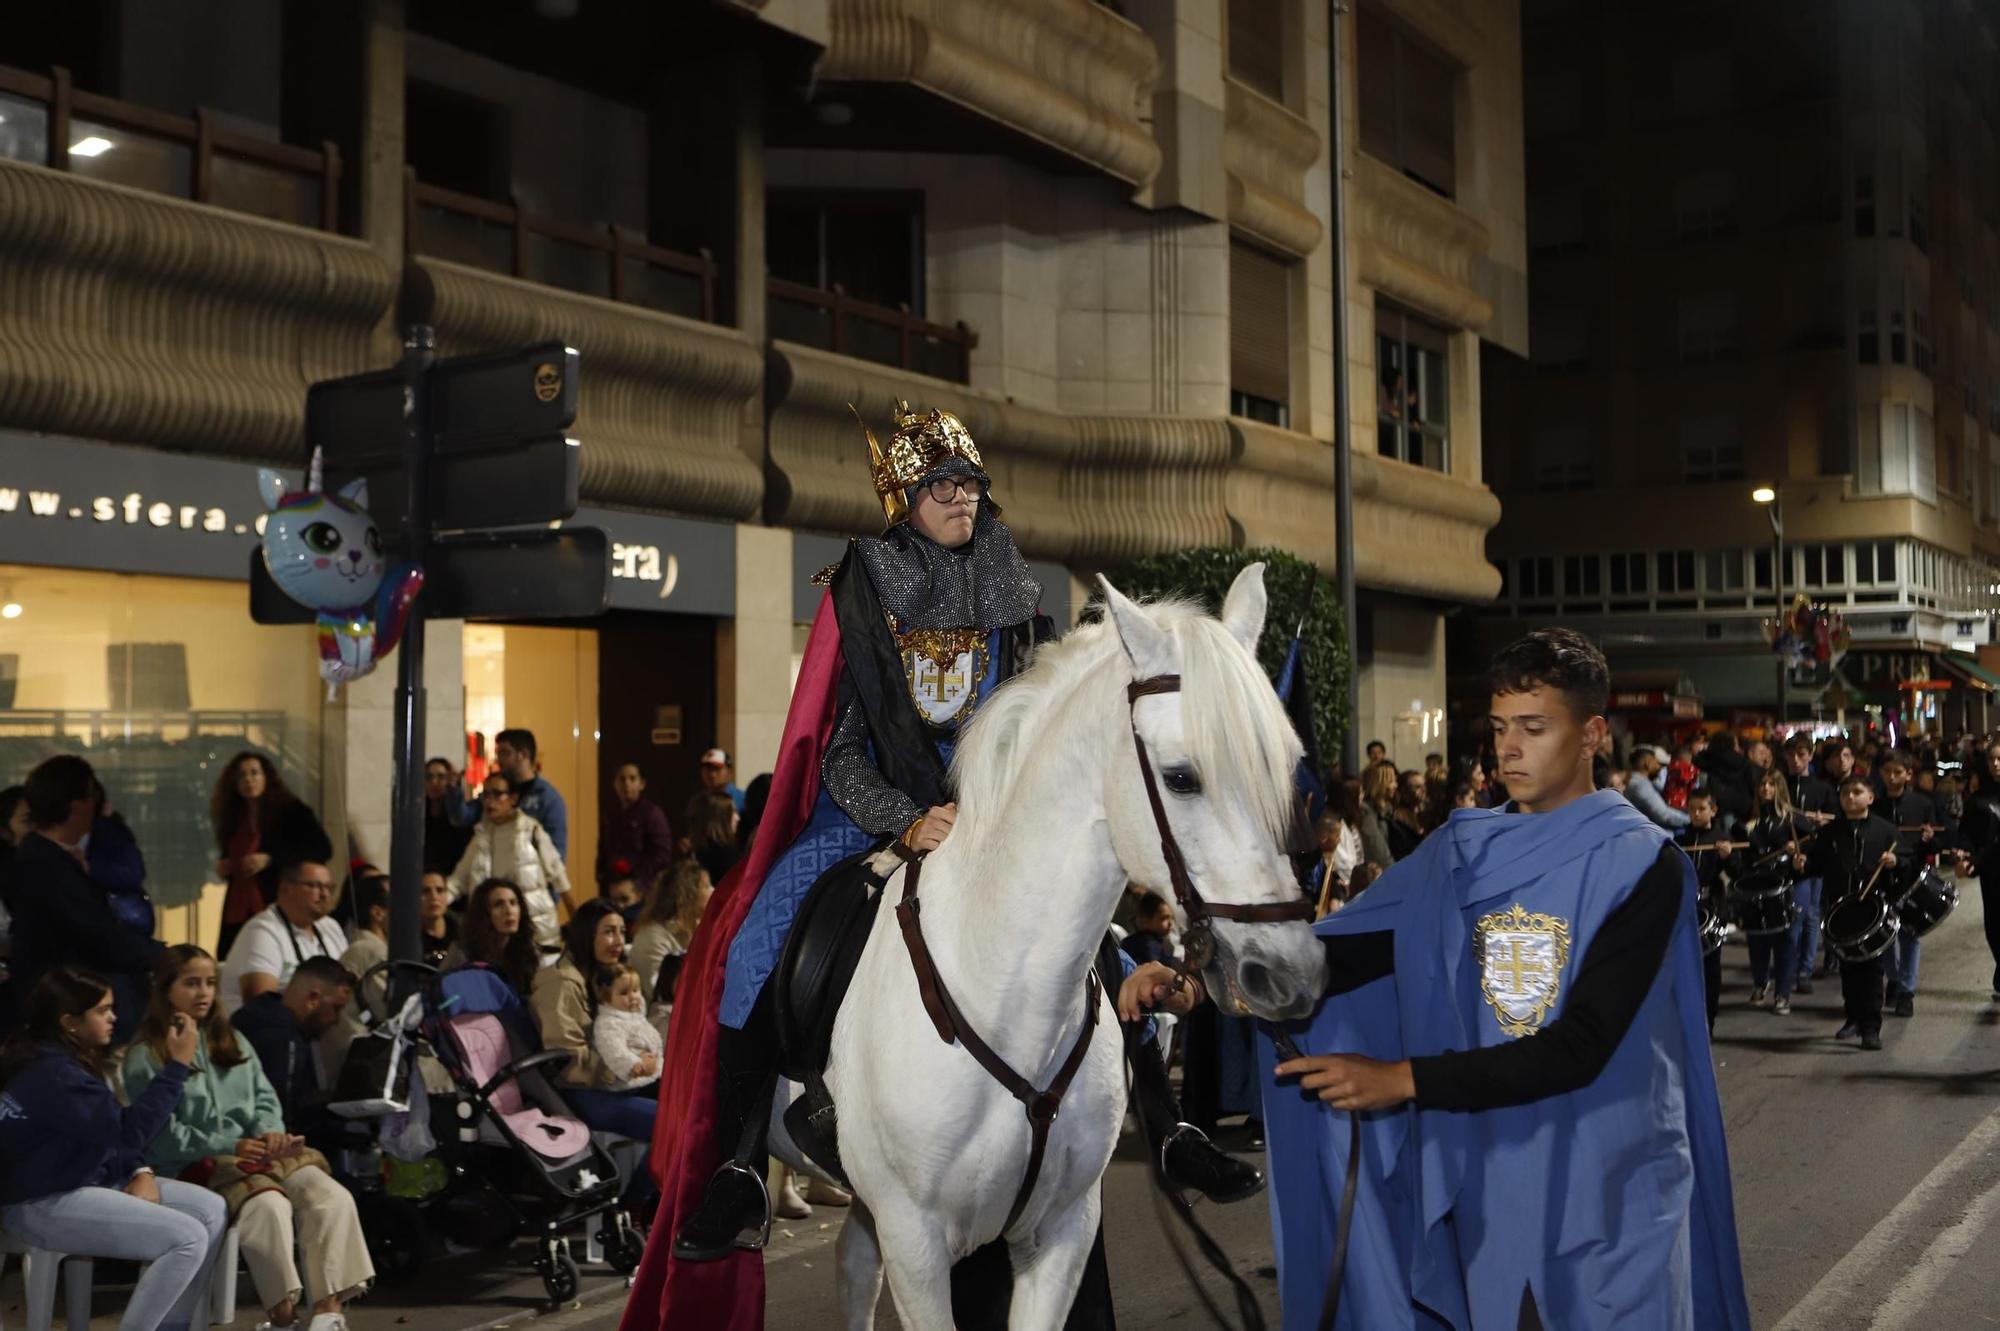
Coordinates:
[1151,904]
[1799,743]
[1855,783]
[1375,744]
[325,972]
[1560,659]
[1694,795]
[54,785]
[1895,756]
[437,762]
[520,740]
[289,871]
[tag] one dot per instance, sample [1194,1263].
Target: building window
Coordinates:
[1711,449]
[1628,576]
[1704,86]
[1535,578]
[457,141]
[1823,566]
[1922,356]
[1722,574]
[1562,460]
[1867,342]
[1709,330]
[1898,349]
[1705,205]
[1583,577]
[868,243]
[1257,46]
[1260,335]
[1559,338]
[1673,574]
[1760,570]
[1408,102]
[1864,203]
[1413,399]
[1874,563]
[1555,224]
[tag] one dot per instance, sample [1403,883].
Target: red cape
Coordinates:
[725,1295]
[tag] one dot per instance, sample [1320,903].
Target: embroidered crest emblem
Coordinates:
[1521,960]
[944,667]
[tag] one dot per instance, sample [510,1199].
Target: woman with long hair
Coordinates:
[565,1005]
[260,827]
[496,933]
[71,1175]
[1774,833]
[1374,794]
[666,926]
[228,1134]
[712,820]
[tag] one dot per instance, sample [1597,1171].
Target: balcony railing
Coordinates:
[607,262]
[834,321]
[46,120]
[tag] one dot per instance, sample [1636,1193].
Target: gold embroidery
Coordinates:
[1521,960]
[943,667]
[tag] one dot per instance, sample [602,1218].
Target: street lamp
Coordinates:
[1774,507]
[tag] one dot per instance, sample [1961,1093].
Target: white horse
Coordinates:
[1053,819]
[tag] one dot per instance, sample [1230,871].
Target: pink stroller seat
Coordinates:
[487,1050]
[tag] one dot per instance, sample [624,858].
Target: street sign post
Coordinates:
[455,452]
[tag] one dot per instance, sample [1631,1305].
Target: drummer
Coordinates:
[1815,802]
[1701,839]
[1924,828]
[1775,830]
[1848,856]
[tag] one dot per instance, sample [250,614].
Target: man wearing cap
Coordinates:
[1645,794]
[717,774]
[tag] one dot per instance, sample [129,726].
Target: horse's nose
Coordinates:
[1272,991]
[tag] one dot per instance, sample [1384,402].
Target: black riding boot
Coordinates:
[735,1211]
[1188,1159]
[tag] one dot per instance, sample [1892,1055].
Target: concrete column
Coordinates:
[379,171]
[753,652]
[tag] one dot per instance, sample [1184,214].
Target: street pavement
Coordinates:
[1861,1180]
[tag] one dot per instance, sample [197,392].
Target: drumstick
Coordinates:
[1869,886]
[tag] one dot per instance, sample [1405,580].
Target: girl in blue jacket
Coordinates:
[73,1178]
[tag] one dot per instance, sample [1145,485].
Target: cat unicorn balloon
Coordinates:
[323,551]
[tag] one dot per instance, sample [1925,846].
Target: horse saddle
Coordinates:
[817,964]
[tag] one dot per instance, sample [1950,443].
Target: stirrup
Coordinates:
[764,1234]
[1179,1130]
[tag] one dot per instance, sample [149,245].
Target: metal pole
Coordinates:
[1778,585]
[406,841]
[1343,444]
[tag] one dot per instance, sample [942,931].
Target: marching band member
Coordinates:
[1923,830]
[1816,802]
[1853,855]
[1700,839]
[1774,831]
[1980,831]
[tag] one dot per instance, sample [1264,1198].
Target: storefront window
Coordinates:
[158,682]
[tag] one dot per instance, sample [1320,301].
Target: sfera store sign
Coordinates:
[68,503]
[71,503]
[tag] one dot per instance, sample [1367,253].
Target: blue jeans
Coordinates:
[1805,934]
[175,1240]
[627,1116]
[1771,959]
[1902,959]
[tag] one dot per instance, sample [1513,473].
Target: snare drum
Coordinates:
[1763,904]
[1861,928]
[1713,921]
[1930,898]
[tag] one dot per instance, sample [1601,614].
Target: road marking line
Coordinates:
[1835,1294]
[1908,1301]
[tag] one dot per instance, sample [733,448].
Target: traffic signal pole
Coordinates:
[406,839]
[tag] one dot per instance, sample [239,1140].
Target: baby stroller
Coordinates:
[517,1159]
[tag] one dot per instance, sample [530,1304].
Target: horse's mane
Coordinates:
[1237,732]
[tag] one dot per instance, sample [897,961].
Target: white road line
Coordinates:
[1840,1290]
[1909,1301]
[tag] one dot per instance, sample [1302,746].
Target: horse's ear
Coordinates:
[1144,641]
[1244,608]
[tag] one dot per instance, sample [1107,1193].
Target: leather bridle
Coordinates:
[1198,941]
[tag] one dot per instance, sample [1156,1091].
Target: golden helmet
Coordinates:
[921,440]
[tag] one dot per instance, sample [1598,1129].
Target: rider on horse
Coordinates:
[932,615]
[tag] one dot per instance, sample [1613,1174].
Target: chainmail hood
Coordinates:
[983,584]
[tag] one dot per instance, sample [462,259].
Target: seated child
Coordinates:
[621,1035]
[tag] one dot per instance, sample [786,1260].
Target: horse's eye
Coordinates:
[1181,780]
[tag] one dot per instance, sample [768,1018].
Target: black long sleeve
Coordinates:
[1613,979]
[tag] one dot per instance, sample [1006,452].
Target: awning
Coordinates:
[1966,668]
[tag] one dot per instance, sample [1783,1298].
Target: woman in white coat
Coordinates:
[510,844]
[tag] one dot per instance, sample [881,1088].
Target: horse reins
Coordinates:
[953,1028]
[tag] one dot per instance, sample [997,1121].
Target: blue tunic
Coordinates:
[829,837]
[1612,1202]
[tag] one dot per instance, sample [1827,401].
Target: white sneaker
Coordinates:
[327,1322]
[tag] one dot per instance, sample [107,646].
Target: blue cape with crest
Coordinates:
[1611,1203]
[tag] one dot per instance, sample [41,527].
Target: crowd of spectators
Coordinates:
[171,1092]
